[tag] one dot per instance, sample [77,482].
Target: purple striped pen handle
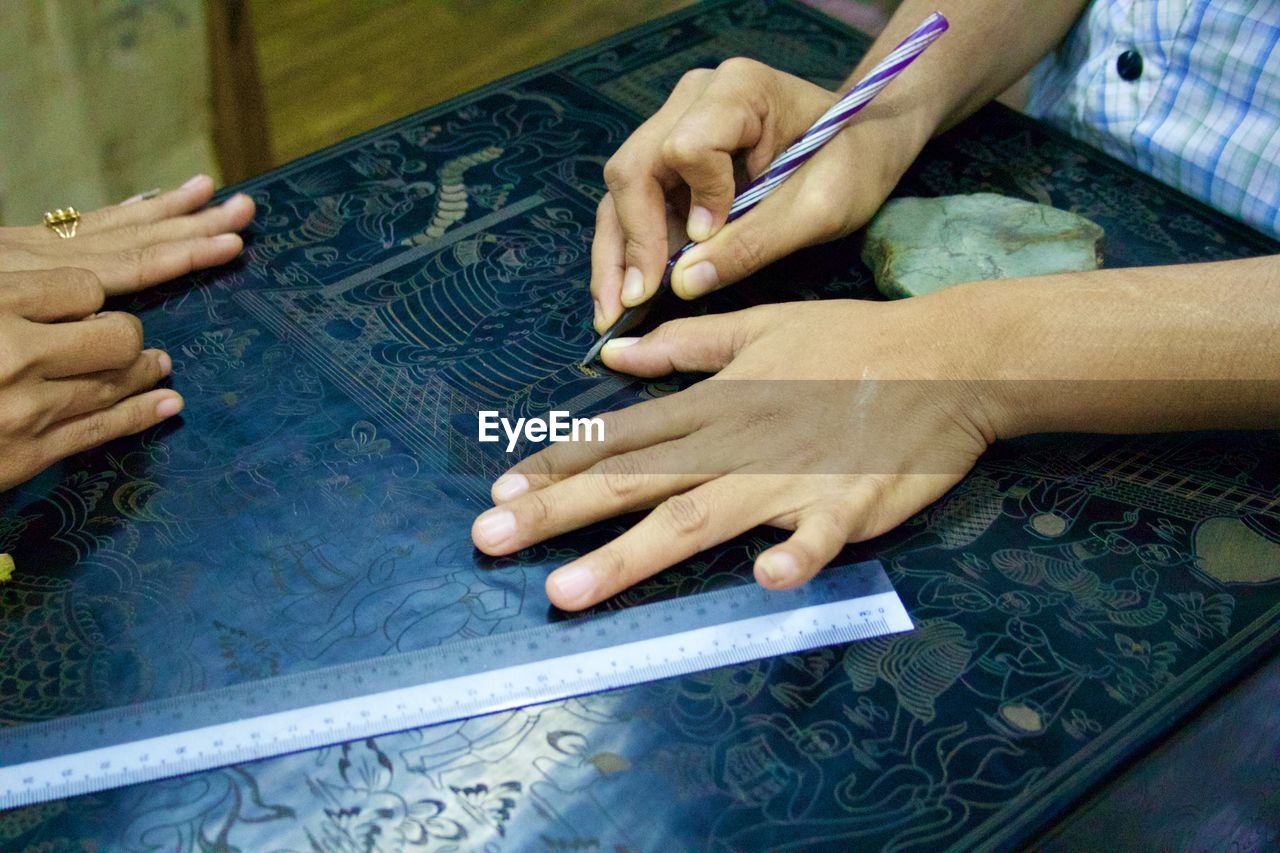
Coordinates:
[786,163]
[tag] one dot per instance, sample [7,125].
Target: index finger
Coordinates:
[607,266]
[105,342]
[637,180]
[51,295]
[642,425]
[194,194]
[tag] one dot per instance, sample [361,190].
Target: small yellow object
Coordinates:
[6,567]
[63,222]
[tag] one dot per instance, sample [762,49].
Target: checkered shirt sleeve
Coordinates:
[1203,115]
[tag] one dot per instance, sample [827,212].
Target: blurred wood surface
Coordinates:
[333,68]
[241,137]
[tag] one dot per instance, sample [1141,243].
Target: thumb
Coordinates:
[739,249]
[692,344]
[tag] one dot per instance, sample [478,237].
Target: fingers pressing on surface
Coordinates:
[678,528]
[130,415]
[89,393]
[231,216]
[192,195]
[819,537]
[570,504]
[51,295]
[108,341]
[645,425]
[618,484]
[138,268]
[694,344]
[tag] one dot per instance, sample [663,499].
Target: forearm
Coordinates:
[1132,350]
[990,46]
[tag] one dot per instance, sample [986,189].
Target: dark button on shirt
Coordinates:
[1129,65]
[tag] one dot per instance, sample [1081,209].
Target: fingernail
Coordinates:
[193,180]
[599,312]
[166,364]
[699,226]
[699,279]
[778,567]
[573,583]
[496,526]
[225,240]
[151,193]
[620,343]
[632,287]
[168,407]
[509,486]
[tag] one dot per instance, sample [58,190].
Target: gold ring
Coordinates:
[63,222]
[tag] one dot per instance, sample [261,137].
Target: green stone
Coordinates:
[920,245]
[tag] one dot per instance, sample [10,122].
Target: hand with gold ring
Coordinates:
[137,243]
[70,378]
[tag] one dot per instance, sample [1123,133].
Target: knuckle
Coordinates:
[671,332]
[538,508]
[133,258]
[863,517]
[137,235]
[738,66]
[611,564]
[682,148]
[76,287]
[825,219]
[745,253]
[619,170]
[617,428]
[620,476]
[94,430]
[604,210]
[692,78]
[120,384]
[126,330]
[22,417]
[14,358]
[830,524]
[537,466]
[108,391]
[686,515]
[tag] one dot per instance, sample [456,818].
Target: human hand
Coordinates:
[677,175]
[140,242]
[806,426]
[70,379]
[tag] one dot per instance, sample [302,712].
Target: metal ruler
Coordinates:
[169,737]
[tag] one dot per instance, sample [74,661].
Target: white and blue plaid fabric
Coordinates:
[1203,116]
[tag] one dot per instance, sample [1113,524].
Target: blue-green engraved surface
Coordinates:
[1074,595]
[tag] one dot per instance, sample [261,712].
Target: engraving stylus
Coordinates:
[631,317]
[797,154]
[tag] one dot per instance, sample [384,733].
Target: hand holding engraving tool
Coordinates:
[828,125]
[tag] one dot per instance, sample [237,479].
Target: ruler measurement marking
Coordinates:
[261,735]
